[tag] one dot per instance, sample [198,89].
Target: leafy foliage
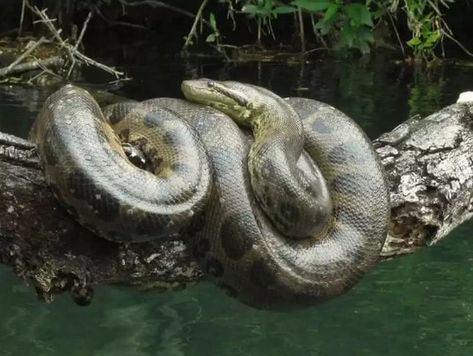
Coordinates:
[344,25]
[350,24]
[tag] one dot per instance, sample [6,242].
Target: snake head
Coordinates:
[233,98]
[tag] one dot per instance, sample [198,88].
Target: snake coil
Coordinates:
[295,213]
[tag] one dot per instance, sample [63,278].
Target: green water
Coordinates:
[420,304]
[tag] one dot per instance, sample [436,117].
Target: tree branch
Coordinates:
[52,62]
[429,165]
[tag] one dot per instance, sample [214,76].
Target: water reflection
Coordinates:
[420,303]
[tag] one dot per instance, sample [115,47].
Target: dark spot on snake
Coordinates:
[261,274]
[170,138]
[179,168]
[288,211]
[151,120]
[214,267]
[320,126]
[279,222]
[338,155]
[235,242]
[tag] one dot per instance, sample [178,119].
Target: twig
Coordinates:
[5,71]
[194,25]
[72,51]
[78,42]
[82,31]
[22,17]
[301,28]
[316,33]
[90,61]
[48,22]
[30,66]
[403,50]
[457,42]
[315,50]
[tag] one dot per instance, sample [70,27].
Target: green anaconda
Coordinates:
[231,192]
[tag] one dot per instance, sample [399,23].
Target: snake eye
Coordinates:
[211,84]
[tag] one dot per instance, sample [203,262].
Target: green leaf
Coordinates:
[414,42]
[268,5]
[313,5]
[213,22]
[253,10]
[359,13]
[250,9]
[211,38]
[331,12]
[433,38]
[325,24]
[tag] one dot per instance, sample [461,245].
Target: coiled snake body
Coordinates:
[232,193]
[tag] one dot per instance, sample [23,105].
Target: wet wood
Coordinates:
[429,165]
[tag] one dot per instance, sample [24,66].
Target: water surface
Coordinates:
[420,304]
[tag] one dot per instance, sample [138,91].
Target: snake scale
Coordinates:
[292,214]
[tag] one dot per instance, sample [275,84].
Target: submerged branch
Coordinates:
[429,165]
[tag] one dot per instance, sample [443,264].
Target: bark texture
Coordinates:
[429,166]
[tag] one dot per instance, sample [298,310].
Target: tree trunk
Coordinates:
[429,166]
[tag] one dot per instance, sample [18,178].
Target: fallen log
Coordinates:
[429,166]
